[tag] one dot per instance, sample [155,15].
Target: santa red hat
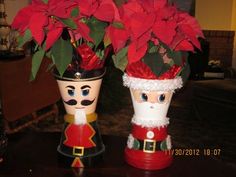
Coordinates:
[139,76]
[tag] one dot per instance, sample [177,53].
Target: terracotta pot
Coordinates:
[149,144]
[81,143]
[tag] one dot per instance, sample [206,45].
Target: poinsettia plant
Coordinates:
[84,21]
[155,33]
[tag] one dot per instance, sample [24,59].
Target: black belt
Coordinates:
[77,150]
[149,146]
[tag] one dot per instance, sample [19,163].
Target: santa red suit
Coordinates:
[147,147]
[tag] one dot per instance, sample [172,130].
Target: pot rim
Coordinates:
[58,77]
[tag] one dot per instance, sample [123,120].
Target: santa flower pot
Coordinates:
[149,143]
[81,144]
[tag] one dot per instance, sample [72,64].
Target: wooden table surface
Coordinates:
[33,154]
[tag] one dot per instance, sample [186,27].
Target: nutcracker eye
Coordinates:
[161,98]
[85,90]
[71,90]
[144,97]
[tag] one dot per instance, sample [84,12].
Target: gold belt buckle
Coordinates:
[78,150]
[149,146]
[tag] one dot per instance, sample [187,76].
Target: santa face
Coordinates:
[81,95]
[150,107]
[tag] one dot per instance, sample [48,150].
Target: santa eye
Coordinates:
[161,98]
[144,97]
[85,92]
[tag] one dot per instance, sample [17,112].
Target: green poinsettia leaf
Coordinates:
[119,2]
[97,30]
[20,41]
[49,54]
[107,41]
[155,62]
[177,57]
[45,1]
[152,48]
[118,25]
[50,66]
[36,47]
[90,44]
[165,68]
[36,62]
[185,72]
[120,59]
[69,22]
[75,12]
[100,53]
[26,38]
[62,54]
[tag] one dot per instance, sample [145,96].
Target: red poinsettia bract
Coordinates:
[39,18]
[157,21]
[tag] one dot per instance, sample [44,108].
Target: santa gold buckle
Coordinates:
[149,146]
[78,150]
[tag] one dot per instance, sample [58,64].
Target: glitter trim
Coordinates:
[152,84]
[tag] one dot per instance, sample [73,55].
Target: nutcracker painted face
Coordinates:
[151,106]
[80,95]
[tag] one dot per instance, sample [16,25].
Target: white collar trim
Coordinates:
[163,122]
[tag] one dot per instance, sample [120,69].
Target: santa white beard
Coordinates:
[148,114]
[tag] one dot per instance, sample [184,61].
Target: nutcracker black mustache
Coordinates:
[73,102]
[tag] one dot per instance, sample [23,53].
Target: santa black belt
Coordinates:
[78,150]
[150,146]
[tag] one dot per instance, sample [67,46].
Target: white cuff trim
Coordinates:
[152,84]
[168,142]
[130,141]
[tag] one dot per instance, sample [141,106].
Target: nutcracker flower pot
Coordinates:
[81,143]
[150,47]
[72,34]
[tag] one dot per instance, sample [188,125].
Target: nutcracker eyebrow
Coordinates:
[85,86]
[70,86]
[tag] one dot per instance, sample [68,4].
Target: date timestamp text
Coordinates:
[194,152]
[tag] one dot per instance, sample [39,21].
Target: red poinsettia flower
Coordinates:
[157,21]
[59,25]
[82,31]
[187,32]
[87,7]
[39,19]
[104,10]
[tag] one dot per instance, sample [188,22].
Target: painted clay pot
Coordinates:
[149,145]
[81,143]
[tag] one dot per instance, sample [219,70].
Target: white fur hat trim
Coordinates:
[152,84]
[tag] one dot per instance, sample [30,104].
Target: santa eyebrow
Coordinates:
[85,86]
[70,86]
